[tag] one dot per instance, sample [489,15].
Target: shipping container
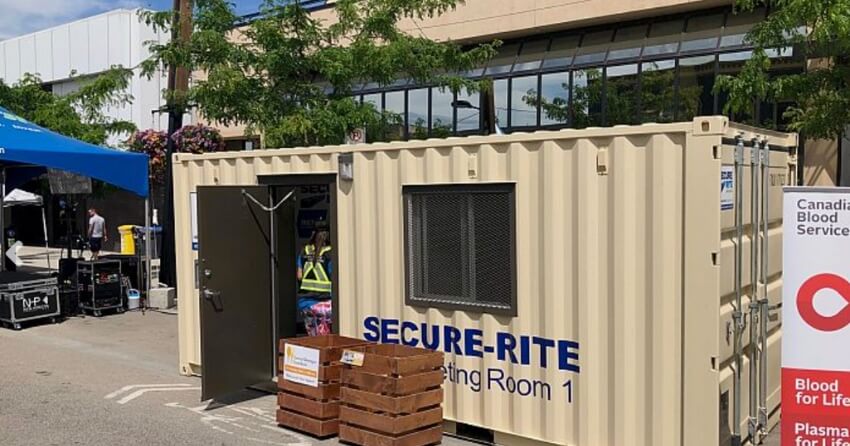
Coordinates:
[589,287]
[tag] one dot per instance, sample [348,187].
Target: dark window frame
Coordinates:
[408,192]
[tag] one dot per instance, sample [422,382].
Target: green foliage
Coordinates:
[291,76]
[78,114]
[820,31]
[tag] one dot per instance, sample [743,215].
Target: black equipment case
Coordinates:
[26,297]
[99,286]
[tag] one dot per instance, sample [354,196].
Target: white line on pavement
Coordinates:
[141,386]
[139,393]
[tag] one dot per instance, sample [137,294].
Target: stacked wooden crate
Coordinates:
[314,410]
[391,396]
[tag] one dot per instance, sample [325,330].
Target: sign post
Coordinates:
[816,317]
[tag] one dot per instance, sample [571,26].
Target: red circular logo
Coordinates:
[806,302]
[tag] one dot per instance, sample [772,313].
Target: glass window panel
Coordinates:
[555,92]
[394,104]
[732,64]
[702,33]
[664,38]
[696,82]
[531,55]
[417,113]
[504,61]
[374,99]
[442,112]
[561,52]
[627,42]
[500,93]
[657,91]
[468,118]
[621,95]
[587,98]
[738,25]
[524,101]
[594,47]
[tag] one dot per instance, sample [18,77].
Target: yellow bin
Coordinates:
[128,245]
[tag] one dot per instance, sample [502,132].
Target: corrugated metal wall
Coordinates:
[601,258]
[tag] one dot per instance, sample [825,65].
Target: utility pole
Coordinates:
[178,84]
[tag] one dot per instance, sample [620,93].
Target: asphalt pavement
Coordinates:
[114,381]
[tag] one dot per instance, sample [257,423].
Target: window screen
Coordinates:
[460,247]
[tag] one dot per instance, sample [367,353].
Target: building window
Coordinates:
[555,98]
[468,112]
[696,87]
[500,93]
[418,103]
[622,94]
[641,71]
[394,106]
[587,98]
[561,52]
[374,99]
[524,101]
[628,43]
[658,91]
[531,56]
[460,247]
[504,61]
[442,112]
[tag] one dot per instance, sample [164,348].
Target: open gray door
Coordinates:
[234,239]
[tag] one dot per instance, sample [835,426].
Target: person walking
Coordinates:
[315,286]
[97,233]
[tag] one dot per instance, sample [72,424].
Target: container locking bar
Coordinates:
[737,315]
[754,306]
[764,302]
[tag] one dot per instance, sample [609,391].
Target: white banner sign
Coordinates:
[301,365]
[816,317]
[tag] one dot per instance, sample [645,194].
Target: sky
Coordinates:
[25,16]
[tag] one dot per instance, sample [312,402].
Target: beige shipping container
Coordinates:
[622,326]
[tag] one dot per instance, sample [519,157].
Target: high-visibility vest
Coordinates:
[314,277]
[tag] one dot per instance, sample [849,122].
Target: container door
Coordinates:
[237,348]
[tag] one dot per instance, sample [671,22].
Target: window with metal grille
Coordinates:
[460,247]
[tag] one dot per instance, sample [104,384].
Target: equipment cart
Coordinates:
[99,286]
[26,297]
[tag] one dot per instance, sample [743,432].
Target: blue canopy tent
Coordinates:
[23,143]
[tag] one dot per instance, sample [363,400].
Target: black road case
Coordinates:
[99,286]
[26,297]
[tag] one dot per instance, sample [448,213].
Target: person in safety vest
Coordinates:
[314,273]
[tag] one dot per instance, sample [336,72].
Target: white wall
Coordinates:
[90,46]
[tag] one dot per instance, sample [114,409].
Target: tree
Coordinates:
[292,77]
[820,30]
[189,139]
[79,114]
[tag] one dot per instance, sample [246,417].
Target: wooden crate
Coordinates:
[393,399]
[303,423]
[425,437]
[314,410]
[330,346]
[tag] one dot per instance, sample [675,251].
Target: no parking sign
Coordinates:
[816,318]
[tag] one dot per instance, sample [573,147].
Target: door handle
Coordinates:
[210,294]
[214,298]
